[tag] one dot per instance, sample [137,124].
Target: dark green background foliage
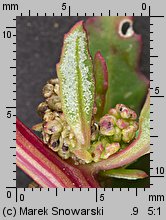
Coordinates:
[39,42]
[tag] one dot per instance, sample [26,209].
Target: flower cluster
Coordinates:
[56,133]
[109,135]
[115,130]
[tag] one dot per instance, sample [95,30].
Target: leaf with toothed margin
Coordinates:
[75,73]
[101,83]
[121,52]
[121,173]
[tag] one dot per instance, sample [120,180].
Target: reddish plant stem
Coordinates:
[44,166]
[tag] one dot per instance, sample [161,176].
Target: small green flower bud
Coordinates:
[117,136]
[52,127]
[56,89]
[121,123]
[63,149]
[94,136]
[48,90]
[42,107]
[71,135]
[54,137]
[106,124]
[114,112]
[94,131]
[48,116]
[58,106]
[38,127]
[54,145]
[73,143]
[110,149]
[134,124]
[133,115]
[53,81]
[57,118]
[62,117]
[56,81]
[56,114]
[94,127]
[52,101]
[83,155]
[123,111]
[46,137]
[128,134]
[65,133]
[54,142]
[123,145]
[97,150]
[66,141]
[64,153]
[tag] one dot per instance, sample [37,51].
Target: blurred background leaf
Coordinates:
[125,82]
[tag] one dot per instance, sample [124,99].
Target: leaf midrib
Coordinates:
[81,113]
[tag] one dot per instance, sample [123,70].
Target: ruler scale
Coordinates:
[104,202]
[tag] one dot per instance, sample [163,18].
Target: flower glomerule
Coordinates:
[113,131]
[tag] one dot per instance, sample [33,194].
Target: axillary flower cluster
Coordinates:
[112,133]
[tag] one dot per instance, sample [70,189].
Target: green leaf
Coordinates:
[121,52]
[121,173]
[101,83]
[75,72]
